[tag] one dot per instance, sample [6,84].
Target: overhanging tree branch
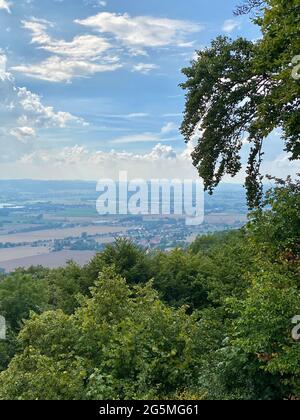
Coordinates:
[247,6]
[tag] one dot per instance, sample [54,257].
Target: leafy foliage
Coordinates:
[213,323]
[121,343]
[248,5]
[242,90]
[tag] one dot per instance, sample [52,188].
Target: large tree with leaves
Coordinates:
[240,91]
[121,343]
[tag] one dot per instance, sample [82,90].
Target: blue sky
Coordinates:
[90,87]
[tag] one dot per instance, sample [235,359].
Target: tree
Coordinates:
[8,348]
[121,343]
[241,91]
[47,368]
[64,286]
[275,230]
[203,277]
[262,329]
[179,278]
[248,5]
[276,51]
[20,294]
[262,318]
[130,261]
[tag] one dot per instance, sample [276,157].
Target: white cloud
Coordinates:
[161,151]
[38,28]
[281,167]
[21,133]
[57,69]
[23,112]
[3,63]
[163,161]
[169,128]
[162,136]
[83,56]
[43,116]
[89,54]
[78,162]
[230,25]
[133,115]
[144,68]
[96,3]
[141,31]
[5,5]
[137,138]
[137,115]
[81,47]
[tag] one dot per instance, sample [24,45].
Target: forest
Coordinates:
[211,322]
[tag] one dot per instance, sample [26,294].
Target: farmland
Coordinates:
[48,223]
[48,260]
[7,254]
[52,234]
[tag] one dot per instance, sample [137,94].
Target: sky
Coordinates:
[90,87]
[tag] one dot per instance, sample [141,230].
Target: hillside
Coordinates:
[210,322]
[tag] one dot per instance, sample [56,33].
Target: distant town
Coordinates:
[49,223]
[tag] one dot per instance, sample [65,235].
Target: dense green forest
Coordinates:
[210,322]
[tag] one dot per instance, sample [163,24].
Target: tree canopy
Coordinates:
[213,321]
[240,91]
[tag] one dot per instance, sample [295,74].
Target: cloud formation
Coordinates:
[141,31]
[163,161]
[43,116]
[78,162]
[81,46]
[162,136]
[23,111]
[230,25]
[3,63]
[57,69]
[21,133]
[88,54]
[144,68]
[5,5]
[83,56]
